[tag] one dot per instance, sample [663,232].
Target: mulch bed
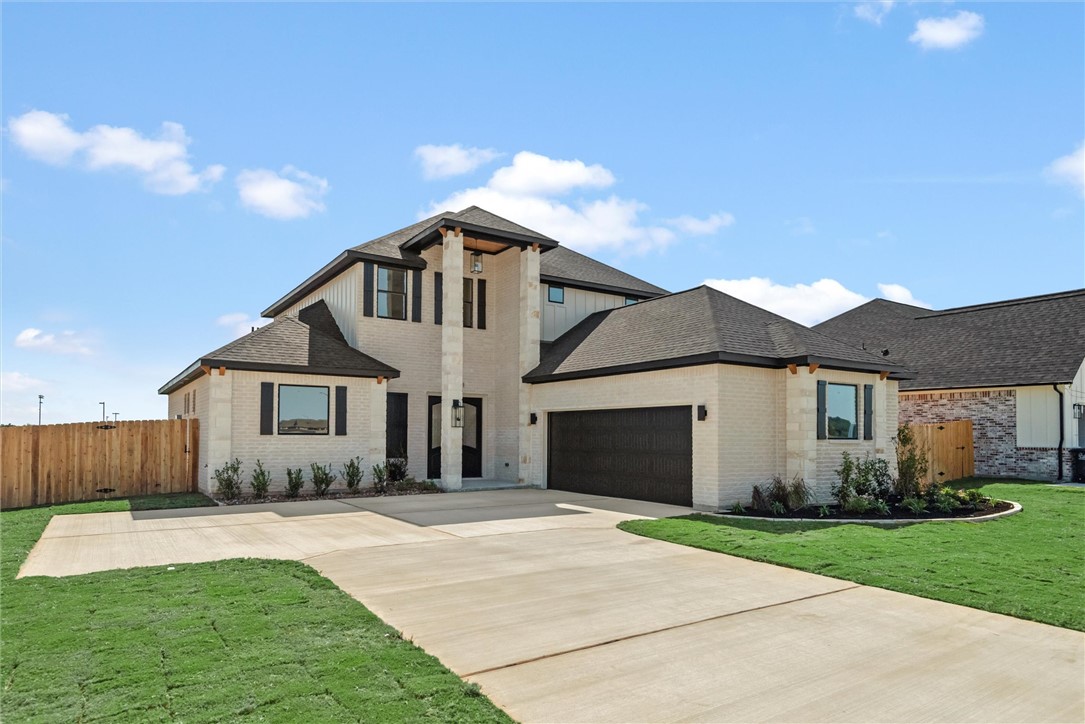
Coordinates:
[836,513]
[333,495]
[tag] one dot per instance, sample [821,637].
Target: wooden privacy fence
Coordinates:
[47,464]
[949,449]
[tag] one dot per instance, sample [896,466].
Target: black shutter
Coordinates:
[340,410]
[396,425]
[416,295]
[367,289]
[868,412]
[482,304]
[821,410]
[438,290]
[267,408]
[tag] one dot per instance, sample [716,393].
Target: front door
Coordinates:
[472,438]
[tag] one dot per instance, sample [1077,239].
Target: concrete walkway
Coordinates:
[560,617]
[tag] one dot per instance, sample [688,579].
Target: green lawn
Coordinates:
[1030,565]
[205,642]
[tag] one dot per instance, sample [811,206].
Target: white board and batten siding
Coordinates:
[557,319]
[341,295]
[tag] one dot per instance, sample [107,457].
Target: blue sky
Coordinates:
[171,170]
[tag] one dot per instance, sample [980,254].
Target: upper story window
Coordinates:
[468,302]
[555,294]
[842,411]
[391,293]
[303,410]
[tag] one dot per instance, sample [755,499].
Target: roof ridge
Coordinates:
[1005,303]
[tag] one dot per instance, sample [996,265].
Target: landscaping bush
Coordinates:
[781,495]
[914,504]
[396,468]
[758,500]
[857,505]
[294,482]
[261,480]
[323,477]
[228,480]
[352,474]
[380,478]
[912,464]
[869,477]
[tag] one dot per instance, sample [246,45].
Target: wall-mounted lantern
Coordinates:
[457,413]
[476,262]
[702,413]
[534,419]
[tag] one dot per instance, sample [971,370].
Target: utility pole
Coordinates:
[40,398]
[103,410]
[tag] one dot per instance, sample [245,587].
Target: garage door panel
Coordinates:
[640,453]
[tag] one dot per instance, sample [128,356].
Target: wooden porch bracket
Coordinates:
[793,368]
[883,375]
[814,367]
[380,379]
[222,371]
[206,369]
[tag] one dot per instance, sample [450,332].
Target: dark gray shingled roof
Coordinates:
[310,343]
[566,266]
[1030,341]
[699,326]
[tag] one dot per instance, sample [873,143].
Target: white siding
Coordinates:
[341,295]
[1037,417]
[557,319]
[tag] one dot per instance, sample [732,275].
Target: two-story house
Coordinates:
[482,350]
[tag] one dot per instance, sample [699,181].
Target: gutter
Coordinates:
[1062,428]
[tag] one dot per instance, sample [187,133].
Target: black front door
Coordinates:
[472,438]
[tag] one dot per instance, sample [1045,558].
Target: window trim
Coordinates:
[468,302]
[388,292]
[550,289]
[279,410]
[855,391]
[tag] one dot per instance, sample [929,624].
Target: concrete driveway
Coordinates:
[562,618]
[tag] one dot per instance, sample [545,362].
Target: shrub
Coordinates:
[397,468]
[857,505]
[912,463]
[792,495]
[869,478]
[352,473]
[294,482]
[844,489]
[261,480]
[880,507]
[737,509]
[228,479]
[976,499]
[914,504]
[323,477]
[777,508]
[758,500]
[380,477]
[823,511]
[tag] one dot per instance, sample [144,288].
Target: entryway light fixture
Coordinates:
[702,413]
[534,419]
[476,262]
[457,413]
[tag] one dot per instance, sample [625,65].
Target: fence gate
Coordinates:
[949,449]
[48,464]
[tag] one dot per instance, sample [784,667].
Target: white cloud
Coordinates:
[1069,169]
[874,12]
[162,162]
[801,226]
[902,294]
[534,174]
[947,33]
[66,342]
[240,323]
[19,382]
[288,194]
[454,160]
[702,227]
[805,303]
[526,191]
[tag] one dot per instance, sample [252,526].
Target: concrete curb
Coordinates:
[875,521]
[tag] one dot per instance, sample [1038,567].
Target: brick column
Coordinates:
[801,426]
[378,421]
[530,332]
[451,359]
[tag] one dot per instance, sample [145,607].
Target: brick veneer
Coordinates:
[994,430]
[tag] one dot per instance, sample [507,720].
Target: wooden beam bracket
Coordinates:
[814,367]
[793,368]
[883,375]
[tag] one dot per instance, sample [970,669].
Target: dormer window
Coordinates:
[555,294]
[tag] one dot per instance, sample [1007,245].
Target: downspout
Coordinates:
[1062,427]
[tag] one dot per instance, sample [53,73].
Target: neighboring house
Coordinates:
[1016,368]
[480,349]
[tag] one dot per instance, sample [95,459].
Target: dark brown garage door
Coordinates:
[644,453]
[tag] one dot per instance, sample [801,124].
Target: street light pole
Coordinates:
[40,398]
